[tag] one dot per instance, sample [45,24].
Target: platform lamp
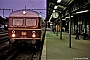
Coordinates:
[56,7]
[58,1]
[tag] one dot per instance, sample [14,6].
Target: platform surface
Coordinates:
[56,49]
[44,51]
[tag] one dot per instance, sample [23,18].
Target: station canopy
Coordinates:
[61,6]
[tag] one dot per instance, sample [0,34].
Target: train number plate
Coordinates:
[23,33]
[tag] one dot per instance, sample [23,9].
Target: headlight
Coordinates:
[13,31]
[33,35]
[13,35]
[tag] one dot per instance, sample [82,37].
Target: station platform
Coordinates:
[44,51]
[57,49]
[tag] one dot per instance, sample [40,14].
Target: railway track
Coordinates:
[25,54]
[8,52]
[3,37]
[5,48]
[5,51]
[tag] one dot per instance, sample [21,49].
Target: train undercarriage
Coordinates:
[26,43]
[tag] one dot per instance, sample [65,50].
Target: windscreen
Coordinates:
[30,22]
[17,22]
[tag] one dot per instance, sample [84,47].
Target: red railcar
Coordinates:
[26,26]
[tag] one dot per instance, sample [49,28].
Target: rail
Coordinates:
[3,37]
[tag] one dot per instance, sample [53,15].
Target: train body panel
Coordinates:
[24,33]
[26,25]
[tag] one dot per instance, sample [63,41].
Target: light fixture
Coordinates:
[24,12]
[67,17]
[55,7]
[13,35]
[13,31]
[33,35]
[82,11]
[71,16]
[63,19]
[53,10]
[58,1]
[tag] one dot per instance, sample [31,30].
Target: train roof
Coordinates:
[24,13]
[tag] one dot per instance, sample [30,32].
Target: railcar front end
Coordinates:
[25,28]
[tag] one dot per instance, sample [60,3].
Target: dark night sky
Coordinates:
[20,4]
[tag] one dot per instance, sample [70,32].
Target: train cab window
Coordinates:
[17,22]
[30,22]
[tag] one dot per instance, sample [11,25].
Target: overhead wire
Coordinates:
[38,3]
[32,3]
[6,5]
[2,5]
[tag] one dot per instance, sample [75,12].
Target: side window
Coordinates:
[43,23]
